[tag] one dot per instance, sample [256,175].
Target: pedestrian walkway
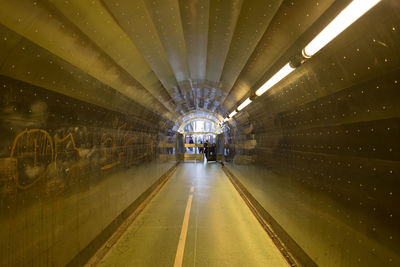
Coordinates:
[197,219]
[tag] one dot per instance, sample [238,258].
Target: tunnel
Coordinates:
[200,133]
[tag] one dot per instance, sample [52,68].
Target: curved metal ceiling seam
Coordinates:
[153,29]
[96,23]
[55,74]
[141,30]
[166,18]
[45,31]
[223,19]
[195,19]
[255,16]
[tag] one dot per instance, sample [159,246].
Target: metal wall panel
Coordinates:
[321,152]
[68,169]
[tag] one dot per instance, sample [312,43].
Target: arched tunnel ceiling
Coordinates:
[173,57]
[199,113]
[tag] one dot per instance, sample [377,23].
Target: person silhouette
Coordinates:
[206,149]
[191,142]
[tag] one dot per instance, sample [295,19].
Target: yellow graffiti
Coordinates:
[41,157]
[58,140]
[25,145]
[110,145]
[28,146]
[109,166]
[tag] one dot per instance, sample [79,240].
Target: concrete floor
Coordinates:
[221,230]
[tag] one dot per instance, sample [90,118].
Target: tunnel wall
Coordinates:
[321,152]
[68,169]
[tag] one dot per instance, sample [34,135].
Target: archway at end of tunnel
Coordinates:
[200,139]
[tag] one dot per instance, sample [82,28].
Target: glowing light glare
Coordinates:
[282,73]
[226,119]
[244,104]
[232,114]
[346,17]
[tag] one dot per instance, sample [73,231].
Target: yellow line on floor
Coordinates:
[182,237]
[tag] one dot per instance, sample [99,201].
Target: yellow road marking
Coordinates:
[182,237]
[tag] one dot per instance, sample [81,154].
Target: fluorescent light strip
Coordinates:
[346,17]
[226,119]
[232,114]
[282,73]
[244,104]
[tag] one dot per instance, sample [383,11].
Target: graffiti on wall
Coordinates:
[57,161]
[121,146]
[52,142]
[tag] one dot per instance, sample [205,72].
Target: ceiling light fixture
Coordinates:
[346,17]
[244,104]
[282,73]
[232,114]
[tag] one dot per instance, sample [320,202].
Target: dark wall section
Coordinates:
[68,168]
[321,150]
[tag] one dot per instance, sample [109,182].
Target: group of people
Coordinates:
[209,150]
